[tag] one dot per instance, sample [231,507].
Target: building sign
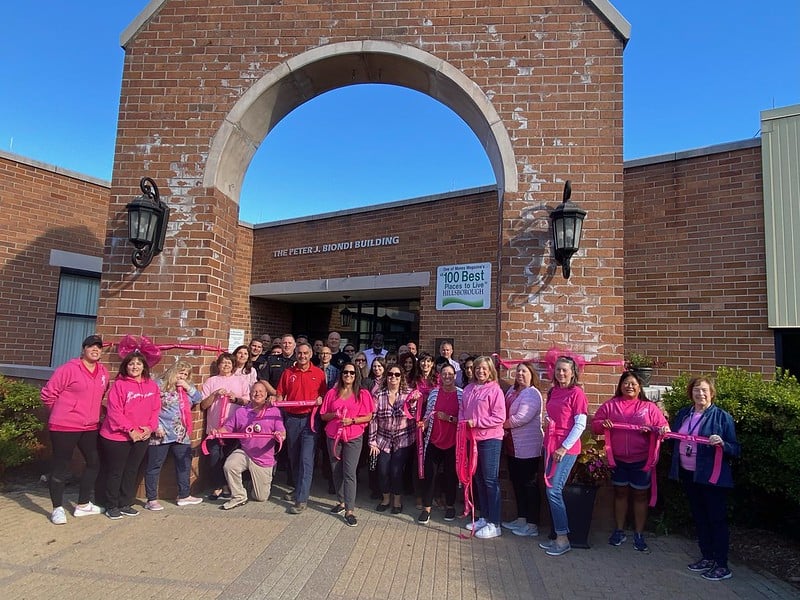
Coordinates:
[389,240]
[235,339]
[464,287]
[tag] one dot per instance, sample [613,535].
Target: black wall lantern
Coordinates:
[147,223]
[567,223]
[345,315]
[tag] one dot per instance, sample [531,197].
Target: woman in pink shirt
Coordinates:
[484,409]
[222,394]
[134,402]
[441,423]
[631,450]
[74,394]
[523,448]
[567,409]
[346,409]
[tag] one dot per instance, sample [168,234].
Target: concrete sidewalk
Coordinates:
[260,551]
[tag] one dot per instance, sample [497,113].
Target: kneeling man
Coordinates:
[257,453]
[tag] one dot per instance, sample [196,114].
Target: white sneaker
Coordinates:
[59,516]
[189,501]
[479,524]
[530,530]
[489,531]
[515,524]
[87,510]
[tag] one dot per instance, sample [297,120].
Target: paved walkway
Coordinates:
[260,551]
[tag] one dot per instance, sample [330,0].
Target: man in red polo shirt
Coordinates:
[302,382]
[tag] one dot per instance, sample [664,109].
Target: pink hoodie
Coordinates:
[628,446]
[74,395]
[131,404]
[487,405]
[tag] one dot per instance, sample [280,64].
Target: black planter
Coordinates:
[580,506]
[644,373]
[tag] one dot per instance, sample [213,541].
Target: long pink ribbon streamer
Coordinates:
[655,451]
[466,466]
[302,404]
[549,450]
[243,435]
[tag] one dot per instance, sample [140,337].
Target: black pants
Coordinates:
[523,473]
[121,465]
[390,470]
[64,443]
[708,504]
[434,459]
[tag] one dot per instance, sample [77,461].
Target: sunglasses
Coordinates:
[348,372]
[361,360]
[394,374]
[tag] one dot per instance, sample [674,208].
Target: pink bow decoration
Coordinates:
[142,345]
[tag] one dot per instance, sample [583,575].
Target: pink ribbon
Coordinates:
[549,450]
[312,404]
[242,435]
[340,414]
[466,466]
[654,452]
[142,345]
[551,357]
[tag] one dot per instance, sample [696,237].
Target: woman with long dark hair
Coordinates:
[134,402]
[346,409]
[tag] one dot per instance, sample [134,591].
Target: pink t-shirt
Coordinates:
[361,407]
[562,406]
[443,434]
[222,408]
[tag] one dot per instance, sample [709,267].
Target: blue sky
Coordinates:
[696,74]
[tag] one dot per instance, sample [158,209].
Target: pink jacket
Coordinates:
[74,395]
[131,405]
[487,405]
[628,446]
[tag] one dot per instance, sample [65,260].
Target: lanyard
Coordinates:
[692,428]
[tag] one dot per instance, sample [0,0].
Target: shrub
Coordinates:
[767,476]
[18,422]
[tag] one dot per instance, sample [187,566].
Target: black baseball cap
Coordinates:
[92,340]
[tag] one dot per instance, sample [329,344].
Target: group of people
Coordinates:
[407,412]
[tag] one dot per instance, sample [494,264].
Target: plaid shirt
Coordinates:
[390,428]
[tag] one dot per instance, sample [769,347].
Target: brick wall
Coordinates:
[452,230]
[695,272]
[552,71]
[43,209]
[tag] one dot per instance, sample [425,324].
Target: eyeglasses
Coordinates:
[348,372]
[360,360]
[326,354]
[394,374]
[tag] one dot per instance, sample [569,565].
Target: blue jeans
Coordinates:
[156,455]
[486,479]
[302,447]
[555,494]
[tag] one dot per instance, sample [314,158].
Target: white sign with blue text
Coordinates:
[464,287]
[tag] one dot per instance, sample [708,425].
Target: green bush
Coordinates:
[18,422]
[767,476]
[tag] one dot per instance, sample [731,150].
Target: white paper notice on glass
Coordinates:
[464,287]
[235,339]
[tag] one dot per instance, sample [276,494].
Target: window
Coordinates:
[76,314]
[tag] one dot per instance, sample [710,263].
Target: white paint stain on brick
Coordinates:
[324,40]
[520,118]
[427,23]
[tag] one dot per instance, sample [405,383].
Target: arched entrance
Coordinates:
[348,63]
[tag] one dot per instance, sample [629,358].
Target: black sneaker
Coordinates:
[338,509]
[702,565]
[424,517]
[450,514]
[382,507]
[129,511]
[351,520]
[113,514]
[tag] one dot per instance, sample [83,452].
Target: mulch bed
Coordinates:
[767,551]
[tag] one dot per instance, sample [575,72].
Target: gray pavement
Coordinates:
[260,551]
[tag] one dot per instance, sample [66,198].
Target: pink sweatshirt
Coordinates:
[486,404]
[74,395]
[628,446]
[131,404]
[261,450]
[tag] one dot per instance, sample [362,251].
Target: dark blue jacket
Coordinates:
[714,421]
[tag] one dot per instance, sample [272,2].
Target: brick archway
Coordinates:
[325,68]
[540,83]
